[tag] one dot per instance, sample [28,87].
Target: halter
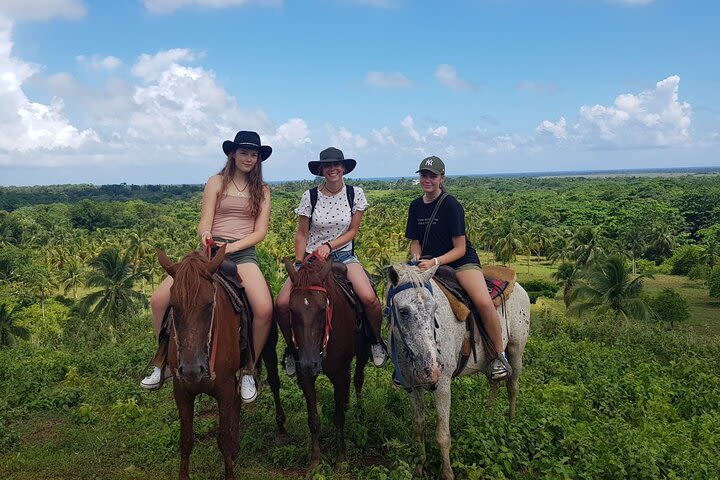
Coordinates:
[392,314]
[211,347]
[328,316]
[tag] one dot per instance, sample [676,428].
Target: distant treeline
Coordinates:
[12,198]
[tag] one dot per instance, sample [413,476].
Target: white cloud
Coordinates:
[293,134]
[24,125]
[448,76]
[557,130]
[383,136]
[387,80]
[440,132]
[100,63]
[150,67]
[649,119]
[344,138]
[169,6]
[409,127]
[39,10]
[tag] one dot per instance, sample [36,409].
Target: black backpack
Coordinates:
[350,190]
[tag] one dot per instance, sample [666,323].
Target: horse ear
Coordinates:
[325,267]
[165,262]
[428,274]
[216,260]
[292,273]
[393,276]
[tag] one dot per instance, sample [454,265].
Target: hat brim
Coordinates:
[229,146]
[430,170]
[315,166]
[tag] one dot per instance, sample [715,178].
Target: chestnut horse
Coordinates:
[323,330]
[204,353]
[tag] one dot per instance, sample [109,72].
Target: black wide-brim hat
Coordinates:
[331,155]
[249,140]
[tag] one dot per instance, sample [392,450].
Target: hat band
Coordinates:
[248,143]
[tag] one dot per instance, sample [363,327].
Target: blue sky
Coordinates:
[145,91]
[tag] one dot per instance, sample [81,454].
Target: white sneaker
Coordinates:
[152,381]
[248,389]
[379,356]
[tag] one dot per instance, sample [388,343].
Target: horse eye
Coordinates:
[404,311]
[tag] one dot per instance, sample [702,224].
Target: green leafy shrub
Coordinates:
[540,288]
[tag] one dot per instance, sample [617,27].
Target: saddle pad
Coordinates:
[460,310]
[501,282]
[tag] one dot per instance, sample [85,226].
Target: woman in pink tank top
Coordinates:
[236,212]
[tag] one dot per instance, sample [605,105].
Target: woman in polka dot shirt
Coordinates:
[328,230]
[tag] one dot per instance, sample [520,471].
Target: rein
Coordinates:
[211,347]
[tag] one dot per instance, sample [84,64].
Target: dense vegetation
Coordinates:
[623,383]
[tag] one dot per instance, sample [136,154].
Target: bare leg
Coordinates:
[473,281]
[261,304]
[159,302]
[282,313]
[368,297]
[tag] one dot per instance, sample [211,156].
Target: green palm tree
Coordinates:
[567,276]
[114,274]
[608,287]
[8,329]
[72,275]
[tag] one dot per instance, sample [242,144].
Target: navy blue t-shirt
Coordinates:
[449,222]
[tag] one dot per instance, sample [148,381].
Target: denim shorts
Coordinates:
[248,255]
[344,256]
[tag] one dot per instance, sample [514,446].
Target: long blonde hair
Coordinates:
[256,185]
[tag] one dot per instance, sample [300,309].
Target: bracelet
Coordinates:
[328,245]
[436,261]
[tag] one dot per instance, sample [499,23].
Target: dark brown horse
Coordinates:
[204,353]
[323,326]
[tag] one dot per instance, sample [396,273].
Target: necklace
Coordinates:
[239,192]
[327,189]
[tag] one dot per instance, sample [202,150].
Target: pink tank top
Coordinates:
[232,218]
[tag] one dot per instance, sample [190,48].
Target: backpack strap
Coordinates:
[350,190]
[313,201]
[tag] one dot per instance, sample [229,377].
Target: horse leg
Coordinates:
[341,390]
[513,383]
[185,404]
[307,385]
[363,354]
[228,428]
[442,404]
[269,356]
[492,394]
[417,406]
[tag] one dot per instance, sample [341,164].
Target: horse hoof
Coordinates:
[282,439]
[314,463]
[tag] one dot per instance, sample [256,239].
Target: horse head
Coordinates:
[413,325]
[311,312]
[192,299]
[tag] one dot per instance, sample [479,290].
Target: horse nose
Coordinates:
[192,373]
[433,373]
[311,368]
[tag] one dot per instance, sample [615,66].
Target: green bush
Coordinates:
[540,288]
[684,258]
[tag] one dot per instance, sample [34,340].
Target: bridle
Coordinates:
[328,313]
[210,346]
[391,311]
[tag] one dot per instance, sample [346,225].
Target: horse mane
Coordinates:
[309,275]
[409,274]
[187,278]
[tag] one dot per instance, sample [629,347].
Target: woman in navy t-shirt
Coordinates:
[446,243]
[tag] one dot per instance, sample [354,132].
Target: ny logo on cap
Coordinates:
[428,162]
